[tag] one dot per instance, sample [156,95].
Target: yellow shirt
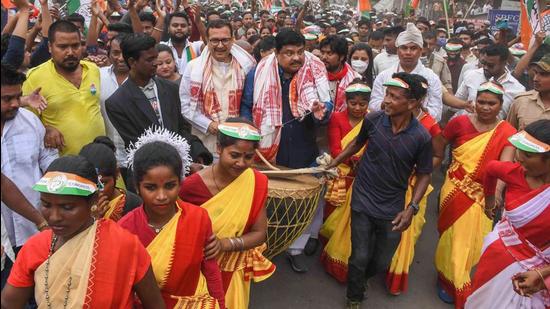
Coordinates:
[75,112]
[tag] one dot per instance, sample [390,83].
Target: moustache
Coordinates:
[70,59]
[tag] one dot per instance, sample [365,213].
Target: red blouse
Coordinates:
[512,173]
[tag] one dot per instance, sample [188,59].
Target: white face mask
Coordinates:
[359,66]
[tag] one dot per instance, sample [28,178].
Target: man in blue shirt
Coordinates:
[297,146]
[398,146]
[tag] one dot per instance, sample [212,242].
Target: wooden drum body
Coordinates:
[291,204]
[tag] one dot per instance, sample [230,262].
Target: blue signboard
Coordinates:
[511,16]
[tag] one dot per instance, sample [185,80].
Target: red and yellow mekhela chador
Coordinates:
[104,263]
[177,256]
[233,212]
[336,229]
[462,223]
[398,274]
[518,243]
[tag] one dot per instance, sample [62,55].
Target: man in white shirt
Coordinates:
[212,85]
[111,78]
[388,57]
[480,44]
[183,50]
[24,156]
[493,67]
[409,49]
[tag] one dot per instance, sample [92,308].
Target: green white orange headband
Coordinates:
[310,37]
[62,183]
[358,88]
[492,87]
[453,46]
[526,142]
[397,82]
[240,130]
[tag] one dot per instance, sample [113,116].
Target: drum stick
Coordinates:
[269,165]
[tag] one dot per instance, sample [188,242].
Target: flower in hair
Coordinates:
[158,134]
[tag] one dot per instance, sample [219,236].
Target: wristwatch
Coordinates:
[415,207]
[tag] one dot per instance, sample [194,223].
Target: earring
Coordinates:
[94,208]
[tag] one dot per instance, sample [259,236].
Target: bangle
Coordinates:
[540,274]
[232,244]
[241,240]
[42,225]
[158,29]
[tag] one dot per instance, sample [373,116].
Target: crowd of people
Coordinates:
[131,137]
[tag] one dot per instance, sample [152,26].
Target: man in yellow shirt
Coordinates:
[71,88]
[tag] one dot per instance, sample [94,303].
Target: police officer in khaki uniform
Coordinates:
[535,104]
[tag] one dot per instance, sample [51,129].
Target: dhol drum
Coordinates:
[291,204]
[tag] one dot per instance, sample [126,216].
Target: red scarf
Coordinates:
[338,75]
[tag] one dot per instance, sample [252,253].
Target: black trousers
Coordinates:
[373,244]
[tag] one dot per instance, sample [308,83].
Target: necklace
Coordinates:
[156,229]
[214,178]
[46,276]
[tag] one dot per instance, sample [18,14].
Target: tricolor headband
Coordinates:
[240,130]
[453,46]
[526,142]
[62,183]
[358,87]
[310,37]
[397,82]
[492,87]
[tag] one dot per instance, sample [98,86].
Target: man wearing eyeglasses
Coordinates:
[492,63]
[213,83]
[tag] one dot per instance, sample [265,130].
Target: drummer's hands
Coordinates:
[212,248]
[403,220]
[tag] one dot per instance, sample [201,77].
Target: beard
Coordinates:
[70,64]
[178,39]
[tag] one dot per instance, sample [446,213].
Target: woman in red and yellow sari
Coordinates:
[342,129]
[234,196]
[79,262]
[113,202]
[475,140]
[516,254]
[175,233]
[397,279]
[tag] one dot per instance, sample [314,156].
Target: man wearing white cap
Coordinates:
[409,49]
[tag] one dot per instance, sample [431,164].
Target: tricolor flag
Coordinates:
[411,5]
[530,21]
[82,7]
[364,8]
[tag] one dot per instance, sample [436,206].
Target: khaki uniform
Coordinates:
[526,108]
[439,65]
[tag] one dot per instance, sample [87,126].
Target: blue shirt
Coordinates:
[389,159]
[298,147]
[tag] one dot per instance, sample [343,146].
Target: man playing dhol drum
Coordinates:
[398,143]
[287,97]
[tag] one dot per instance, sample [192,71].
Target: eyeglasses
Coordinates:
[217,42]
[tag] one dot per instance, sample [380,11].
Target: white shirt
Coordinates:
[109,85]
[433,102]
[24,159]
[466,68]
[474,78]
[183,60]
[383,62]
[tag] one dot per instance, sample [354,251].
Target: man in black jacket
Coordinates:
[144,101]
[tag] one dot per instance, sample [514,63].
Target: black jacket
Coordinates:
[131,114]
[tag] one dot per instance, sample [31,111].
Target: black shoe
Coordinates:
[297,263]
[311,246]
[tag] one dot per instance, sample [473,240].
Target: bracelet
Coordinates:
[42,225]
[241,240]
[540,274]
[158,29]
[232,244]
